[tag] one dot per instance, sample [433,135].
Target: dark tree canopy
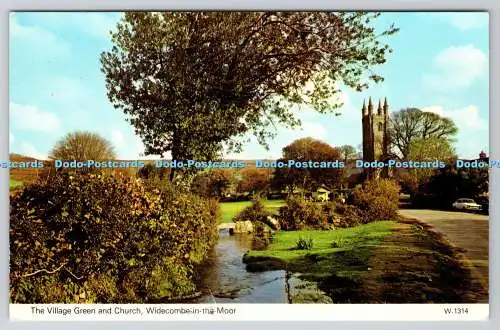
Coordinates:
[411,124]
[212,183]
[254,180]
[308,149]
[450,183]
[192,82]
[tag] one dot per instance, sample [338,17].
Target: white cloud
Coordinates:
[466,119]
[457,67]
[97,24]
[467,21]
[473,130]
[129,146]
[463,21]
[11,138]
[37,38]
[311,129]
[30,117]
[117,138]
[314,130]
[91,23]
[29,150]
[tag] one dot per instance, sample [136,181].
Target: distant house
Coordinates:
[321,194]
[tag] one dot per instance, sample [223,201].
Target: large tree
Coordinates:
[305,150]
[410,124]
[213,183]
[193,81]
[347,153]
[451,183]
[426,150]
[82,146]
[254,180]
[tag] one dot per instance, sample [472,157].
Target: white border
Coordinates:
[250,312]
[492,5]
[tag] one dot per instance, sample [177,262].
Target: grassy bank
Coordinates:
[380,262]
[343,252]
[231,209]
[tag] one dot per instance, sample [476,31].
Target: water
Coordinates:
[225,279]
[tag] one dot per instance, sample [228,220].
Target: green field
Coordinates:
[231,209]
[380,262]
[337,261]
[358,240]
[15,184]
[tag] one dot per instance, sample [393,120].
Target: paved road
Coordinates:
[466,231]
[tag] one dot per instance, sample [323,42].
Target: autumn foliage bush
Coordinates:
[377,200]
[106,239]
[256,212]
[299,213]
[350,216]
[386,188]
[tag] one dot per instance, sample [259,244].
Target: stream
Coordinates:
[225,279]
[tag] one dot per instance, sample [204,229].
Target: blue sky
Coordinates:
[440,63]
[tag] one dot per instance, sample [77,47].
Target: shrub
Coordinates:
[340,208]
[383,188]
[351,217]
[382,208]
[299,214]
[105,239]
[304,244]
[153,173]
[330,210]
[377,200]
[256,212]
[169,279]
[261,238]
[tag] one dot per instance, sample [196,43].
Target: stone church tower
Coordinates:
[375,136]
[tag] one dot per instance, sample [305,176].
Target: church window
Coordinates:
[380,127]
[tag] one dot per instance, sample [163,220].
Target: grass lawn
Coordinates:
[337,261]
[15,184]
[231,209]
[380,262]
[357,242]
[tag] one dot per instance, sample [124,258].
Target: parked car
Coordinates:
[484,201]
[466,204]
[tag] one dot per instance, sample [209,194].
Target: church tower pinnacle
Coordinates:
[370,106]
[386,107]
[375,134]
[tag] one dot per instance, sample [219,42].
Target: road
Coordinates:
[467,231]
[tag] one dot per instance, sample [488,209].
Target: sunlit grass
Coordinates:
[229,210]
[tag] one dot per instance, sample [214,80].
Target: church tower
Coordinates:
[375,135]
